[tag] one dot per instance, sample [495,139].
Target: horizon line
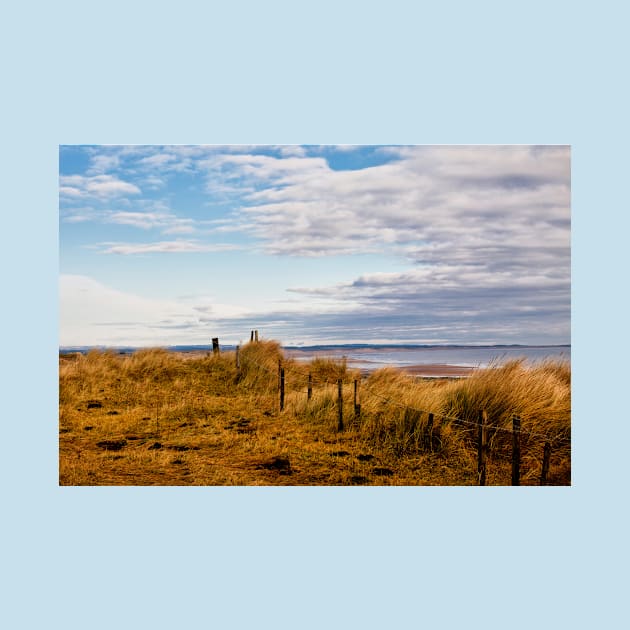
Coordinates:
[327,345]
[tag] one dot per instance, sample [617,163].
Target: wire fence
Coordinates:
[481,426]
[405,406]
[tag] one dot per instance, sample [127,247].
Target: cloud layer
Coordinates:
[481,234]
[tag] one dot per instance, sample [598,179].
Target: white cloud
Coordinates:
[78,214]
[95,186]
[168,247]
[153,182]
[180,226]
[77,218]
[158,159]
[165,221]
[100,163]
[70,191]
[92,313]
[292,150]
[156,219]
[487,210]
[143,220]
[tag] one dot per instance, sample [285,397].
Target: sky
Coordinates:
[169,245]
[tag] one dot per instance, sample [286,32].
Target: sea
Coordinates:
[371,357]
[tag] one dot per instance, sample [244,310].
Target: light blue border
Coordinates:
[288,72]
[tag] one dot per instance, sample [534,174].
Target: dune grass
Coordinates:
[162,418]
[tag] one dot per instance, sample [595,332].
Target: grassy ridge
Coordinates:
[157,417]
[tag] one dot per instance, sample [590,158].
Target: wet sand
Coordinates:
[437,370]
[433,370]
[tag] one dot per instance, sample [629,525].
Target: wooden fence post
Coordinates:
[238,361]
[251,337]
[516,450]
[356,386]
[310,386]
[340,404]
[281,389]
[215,345]
[545,463]
[481,448]
[256,336]
[428,437]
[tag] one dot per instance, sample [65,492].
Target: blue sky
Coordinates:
[163,245]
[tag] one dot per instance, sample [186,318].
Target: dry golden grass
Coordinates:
[161,418]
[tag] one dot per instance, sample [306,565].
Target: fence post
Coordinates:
[238,361]
[279,371]
[251,337]
[281,389]
[545,463]
[428,444]
[256,336]
[340,404]
[215,345]
[481,448]
[356,386]
[516,450]
[310,386]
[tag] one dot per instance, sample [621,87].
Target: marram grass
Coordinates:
[162,418]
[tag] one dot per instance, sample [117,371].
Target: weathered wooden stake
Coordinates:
[516,451]
[340,404]
[310,386]
[279,371]
[545,463]
[238,360]
[281,389]
[251,337]
[256,336]
[481,448]
[356,387]
[215,345]
[412,418]
[429,434]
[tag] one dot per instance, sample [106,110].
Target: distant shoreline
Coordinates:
[314,348]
